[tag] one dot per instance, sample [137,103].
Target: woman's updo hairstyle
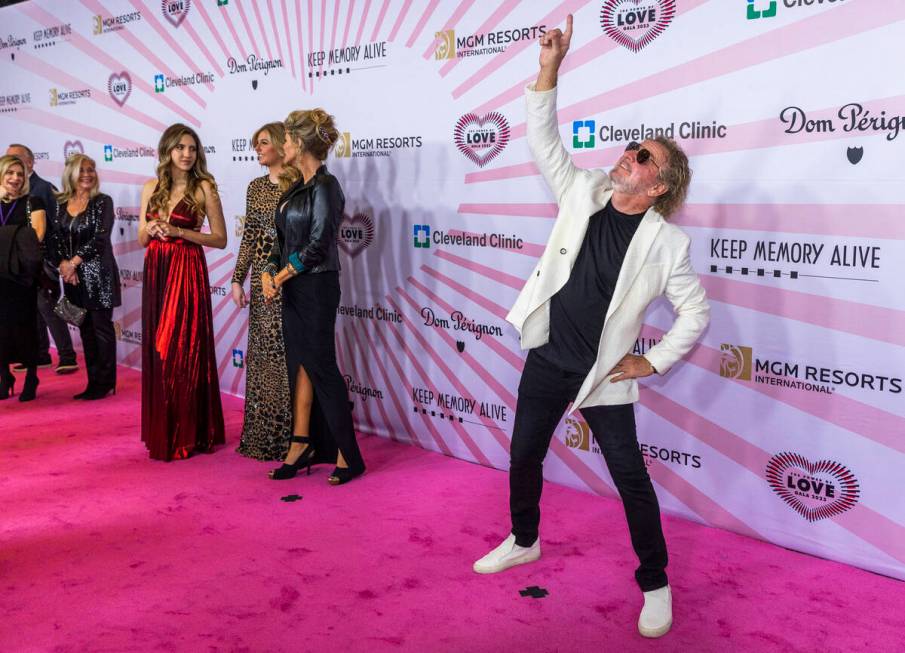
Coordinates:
[314,130]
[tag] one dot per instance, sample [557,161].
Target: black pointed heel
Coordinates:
[305,459]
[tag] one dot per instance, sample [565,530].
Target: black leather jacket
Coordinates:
[307,222]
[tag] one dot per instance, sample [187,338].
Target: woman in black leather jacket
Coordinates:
[79,247]
[304,263]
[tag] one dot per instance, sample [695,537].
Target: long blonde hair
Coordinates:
[70,180]
[7,161]
[160,199]
[277,133]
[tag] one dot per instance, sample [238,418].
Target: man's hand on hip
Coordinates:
[632,367]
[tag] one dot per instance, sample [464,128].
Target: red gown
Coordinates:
[180,388]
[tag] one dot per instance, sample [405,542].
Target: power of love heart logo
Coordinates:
[175,11]
[72,147]
[482,139]
[814,490]
[119,86]
[635,23]
[356,232]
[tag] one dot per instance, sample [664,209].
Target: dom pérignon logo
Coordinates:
[119,86]
[482,139]
[633,24]
[175,11]
[814,490]
[356,232]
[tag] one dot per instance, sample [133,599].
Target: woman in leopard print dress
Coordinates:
[268,413]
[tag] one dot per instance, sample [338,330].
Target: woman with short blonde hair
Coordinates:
[18,297]
[79,245]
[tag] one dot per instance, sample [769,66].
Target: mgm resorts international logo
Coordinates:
[813,490]
[449,46]
[12,103]
[587,136]
[424,237]
[633,24]
[347,146]
[107,24]
[356,232]
[163,82]
[126,335]
[458,321]
[363,391]
[739,363]
[481,138]
[175,11]
[142,152]
[60,98]
[576,434]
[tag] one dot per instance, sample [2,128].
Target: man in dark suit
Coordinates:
[44,190]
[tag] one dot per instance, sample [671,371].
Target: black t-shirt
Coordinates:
[578,310]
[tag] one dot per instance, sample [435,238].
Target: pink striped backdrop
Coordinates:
[785,423]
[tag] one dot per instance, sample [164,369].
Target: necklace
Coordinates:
[5,216]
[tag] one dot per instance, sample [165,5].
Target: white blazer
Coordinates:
[655,263]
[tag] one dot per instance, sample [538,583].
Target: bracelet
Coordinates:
[271,269]
[291,270]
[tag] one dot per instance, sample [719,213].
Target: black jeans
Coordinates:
[543,395]
[58,328]
[99,346]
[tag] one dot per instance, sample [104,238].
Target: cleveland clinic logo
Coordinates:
[356,232]
[633,24]
[481,138]
[813,490]
[175,11]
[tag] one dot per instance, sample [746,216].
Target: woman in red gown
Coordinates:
[180,392]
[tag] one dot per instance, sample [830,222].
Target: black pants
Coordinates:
[544,393]
[99,345]
[47,319]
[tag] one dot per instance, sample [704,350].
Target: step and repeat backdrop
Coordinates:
[786,423]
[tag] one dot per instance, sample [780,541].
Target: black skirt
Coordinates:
[309,326]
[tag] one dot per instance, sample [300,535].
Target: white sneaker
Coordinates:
[656,615]
[508,554]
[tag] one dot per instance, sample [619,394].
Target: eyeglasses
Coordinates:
[642,154]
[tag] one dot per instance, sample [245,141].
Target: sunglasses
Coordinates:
[642,154]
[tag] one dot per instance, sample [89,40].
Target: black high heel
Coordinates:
[305,459]
[28,390]
[342,475]
[7,385]
[84,393]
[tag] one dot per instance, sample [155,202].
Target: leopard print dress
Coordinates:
[268,412]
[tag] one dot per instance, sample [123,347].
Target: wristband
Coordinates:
[271,269]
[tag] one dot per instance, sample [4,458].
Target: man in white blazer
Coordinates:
[610,254]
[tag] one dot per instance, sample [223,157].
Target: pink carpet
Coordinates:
[102,549]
